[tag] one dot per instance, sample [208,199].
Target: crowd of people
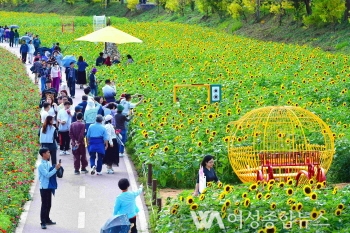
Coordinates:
[97,125]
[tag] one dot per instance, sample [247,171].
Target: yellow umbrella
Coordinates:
[111,35]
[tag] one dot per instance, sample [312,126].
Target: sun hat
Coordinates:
[108,117]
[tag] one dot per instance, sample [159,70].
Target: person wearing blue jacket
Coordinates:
[45,173]
[71,77]
[12,37]
[23,50]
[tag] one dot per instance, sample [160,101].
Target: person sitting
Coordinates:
[115,60]
[206,170]
[108,62]
[100,60]
[130,59]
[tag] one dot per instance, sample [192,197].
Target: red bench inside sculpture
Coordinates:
[288,162]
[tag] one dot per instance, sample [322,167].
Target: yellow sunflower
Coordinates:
[289,191]
[313,196]
[319,185]
[181,198]
[271,182]
[290,182]
[209,184]
[199,143]
[223,208]
[189,200]
[261,231]
[223,215]
[337,212]
[204,191]
[202,197]
[267,196]
[194,206]
[291,201]
[314,214]
[220,185]
[299,206]
[253,187]
[270,229]
[273,206]
[293,207]
[307,190]
[222,195]
[227,188]
[236,211]
[269,187]
[173,211]
[237,203]
[288,225]
[246,202]
[311,181]
[281,184]
[227,203]
[303,223]
[259,195]
[244,195]
[341,206]
[175,206]
[166,148]
[322,211]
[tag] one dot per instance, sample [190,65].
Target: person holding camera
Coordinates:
[128,106]
[45,173]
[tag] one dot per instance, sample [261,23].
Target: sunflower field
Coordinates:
[175,136]
[259,207]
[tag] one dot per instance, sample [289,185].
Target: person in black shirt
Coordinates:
[208,170]
[100,60]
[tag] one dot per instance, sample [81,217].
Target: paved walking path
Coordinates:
[82,203]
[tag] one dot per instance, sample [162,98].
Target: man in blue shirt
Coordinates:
[45,191]
[36,43]
[97,140]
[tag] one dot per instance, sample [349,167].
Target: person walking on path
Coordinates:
[71,77]
[2,33]
[90,114]
[109,91]
[125,203]
[77,134]
[23,50]
[56,76]
[97,139]
[44,75]
[82,65]
[31,51]
[112,152]
[16,38]
[64,118]
[36,43]
[93,82]
[37,68]
[12,37]
[45,174]
[120,122]
[49,137]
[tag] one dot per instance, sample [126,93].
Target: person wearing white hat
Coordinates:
[112,152]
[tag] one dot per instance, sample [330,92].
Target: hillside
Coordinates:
[328,38]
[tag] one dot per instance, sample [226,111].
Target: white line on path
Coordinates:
[82,192]
[141,215]
[81,220]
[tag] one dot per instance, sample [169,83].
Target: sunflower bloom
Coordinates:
[289,191]
[338,212]
[220,185]
[237,203]
[299,206]
[194,206]
[341,206]
[267,196]
[173,211]
[313,196]
[189,200]
[227,203]
[244,195]
[270,229]
[202,197]
[273,206]
[307,190]
[281,184]
[253,187]
[246,202]
[223,208]
[293,207]
[314,214]
[222,195]
[175,206]
[259,196]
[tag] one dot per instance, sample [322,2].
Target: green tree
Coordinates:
[279,8]
[326,12]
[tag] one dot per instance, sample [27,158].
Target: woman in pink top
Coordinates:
[56,76]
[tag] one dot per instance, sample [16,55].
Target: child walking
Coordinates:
[125,202]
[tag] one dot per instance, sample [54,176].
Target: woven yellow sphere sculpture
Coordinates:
[280,142]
